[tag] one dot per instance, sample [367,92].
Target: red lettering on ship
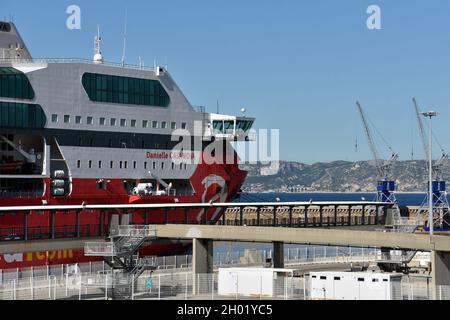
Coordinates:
[171,155]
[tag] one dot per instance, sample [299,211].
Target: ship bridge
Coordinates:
[229,127]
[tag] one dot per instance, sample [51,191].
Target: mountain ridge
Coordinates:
[336,176]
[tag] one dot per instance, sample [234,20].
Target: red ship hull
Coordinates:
[219,183]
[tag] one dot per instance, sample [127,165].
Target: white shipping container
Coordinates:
[251,282]
[354,285]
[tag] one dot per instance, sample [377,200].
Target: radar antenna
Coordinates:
[98,57]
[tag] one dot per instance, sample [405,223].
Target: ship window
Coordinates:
[90,164]
[78,119]
[218,126]
[173,125]
[183,125]
[228,125]
[110,143]
[15,84]
[155,124]
[375,280]
[90,121]
[185,166]
[162,165]
[361,279]
[111,164]
[99,164]
[145,165]
[113,122]
[102,121]
[144,124]
[54,118]
[126,165]
[181,166]
[21,115]
[123,122]
[163,125]
[133,123]
[91,142]
[134,164]
[79,164]
[173,166]
[120,164]
[125,90]
[154,165]
[66,118]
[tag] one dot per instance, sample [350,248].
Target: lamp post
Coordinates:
[430,114]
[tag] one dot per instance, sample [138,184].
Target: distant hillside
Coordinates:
[338,176]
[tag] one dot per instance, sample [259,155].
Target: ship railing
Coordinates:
[74,60]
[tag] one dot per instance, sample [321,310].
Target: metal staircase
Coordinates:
[394,259]
[120,255]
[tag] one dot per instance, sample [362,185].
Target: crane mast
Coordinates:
[385,184]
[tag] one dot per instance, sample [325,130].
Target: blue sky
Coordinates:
[298,66]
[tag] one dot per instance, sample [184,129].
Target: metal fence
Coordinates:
[183,286]
[293,256]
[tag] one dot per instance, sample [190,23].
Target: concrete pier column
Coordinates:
[440,270]
[202,262]
[278,255]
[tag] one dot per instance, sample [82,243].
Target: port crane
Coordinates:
[385,184]
[440,203]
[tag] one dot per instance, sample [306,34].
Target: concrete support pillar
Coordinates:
[202,262]
[278,255]
[440,270]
